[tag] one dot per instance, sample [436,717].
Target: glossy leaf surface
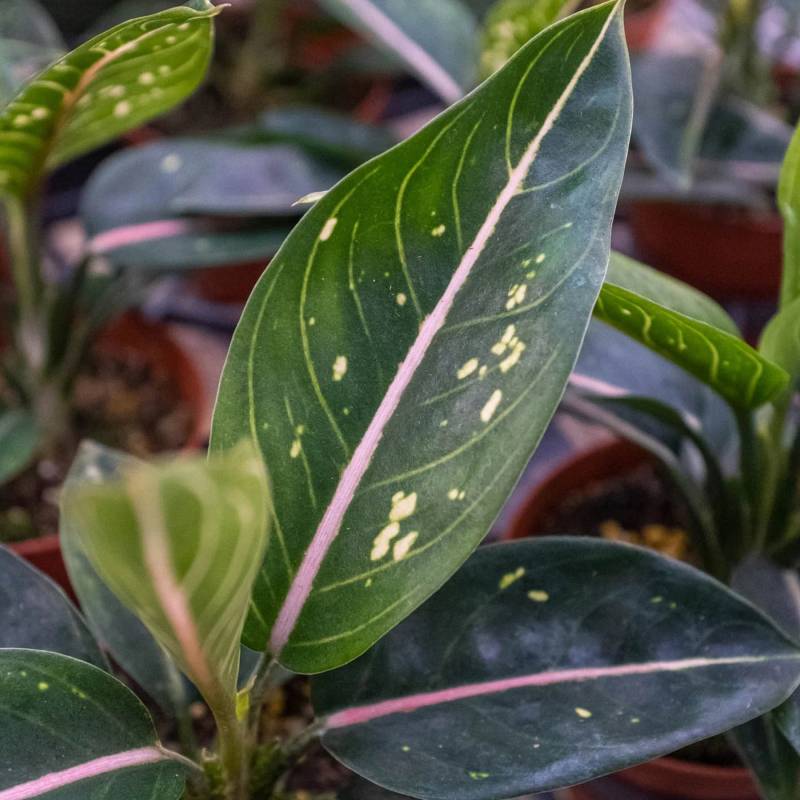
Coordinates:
[726,363]
[435,39]
[108,85]
[180,544]
[120,630]
[35,614]
[401,357]
[72,732]
[545,663]
[19,440]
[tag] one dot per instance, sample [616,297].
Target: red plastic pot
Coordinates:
[132,333]
[727,253]
[232,284]
[664,778]
[642,26]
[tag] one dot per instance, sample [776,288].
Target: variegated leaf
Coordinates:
[180,545]
[401,357]
[110,84]
[725,362]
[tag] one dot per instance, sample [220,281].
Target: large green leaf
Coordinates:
[72,732]
[401,357]
[19,440]
[780,341]
[725,362]
[108,85]
[545,663]
[120,630]
[180,545]
[435,39]
[35,614]
[789,204]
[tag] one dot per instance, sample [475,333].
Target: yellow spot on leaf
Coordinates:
[540,258]
[403,506]
[487,412]
[583,713]
[478,776]
[122,109]
[405,748]
[511,577]
[327,229]
[339,367]
[296,449]
[538,596]
[516,296]
[468,368]
[43,686]
[147,78]
[40,113]
[401,299]
[402,546]
[438,231]
[453,494]
[382,542]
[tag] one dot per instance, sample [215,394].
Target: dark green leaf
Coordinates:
[35,614]
[72,732]
[772,760]
[726,363]
[108,85]
[19,441]
[179,544]
[436,39]
[471,255]
[545,663]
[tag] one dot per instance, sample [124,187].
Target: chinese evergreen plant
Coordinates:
[392,373]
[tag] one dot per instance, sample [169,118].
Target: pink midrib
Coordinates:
[405,705]
[331,521]
[127,235]
[81,772]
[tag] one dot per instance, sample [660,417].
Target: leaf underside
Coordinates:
[471,253]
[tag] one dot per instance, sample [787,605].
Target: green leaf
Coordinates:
[108,85]
[632,275]
[545,663]
[788,719]
[435,39]
[510,24]
[403,354]
[780,341]
[789,205]
[728,365]
[19,442]
[772,760]
[35,614]
[72,732]
[180,545]
[120,631]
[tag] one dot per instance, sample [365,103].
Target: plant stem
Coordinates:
[750,468]
[24,261]
[260,686]
[191,765]
[233,751]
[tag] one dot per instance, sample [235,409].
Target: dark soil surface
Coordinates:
[119,401]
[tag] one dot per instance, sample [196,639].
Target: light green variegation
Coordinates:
[180,545]
[110,84]
[726,363]
[471,255]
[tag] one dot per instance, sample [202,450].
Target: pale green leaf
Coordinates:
[180,544]
[110,84]
[404,352]
[780,341]
[435,39]
[789,204]
[73,732]
[726,363]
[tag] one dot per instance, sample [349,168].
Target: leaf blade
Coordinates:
[326,400]
[516,697]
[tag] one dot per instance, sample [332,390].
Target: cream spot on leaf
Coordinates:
[468,368]
[487,412]
[511,577]
[538,596]
[583,713]
[327,229]
[403,506]
[339,368]
[402,546]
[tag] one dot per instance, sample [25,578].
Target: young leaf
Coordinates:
[35,614]
[571,658]
[789,204]
[180,545]
[120,631]
[108,85]
[72,731]
[403,354]
[728,365]
[436,39]
[19,441]
[780,341]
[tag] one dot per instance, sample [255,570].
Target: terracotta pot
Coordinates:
[725,252]
[575,474]
[665,778]
[132,333]
[641,26]
[232,284]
